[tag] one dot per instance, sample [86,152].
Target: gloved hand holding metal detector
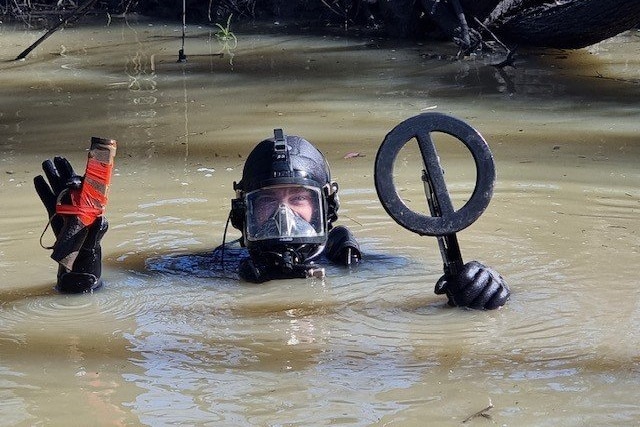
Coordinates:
[75,206]
[472,284]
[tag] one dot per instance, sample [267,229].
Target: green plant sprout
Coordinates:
[227,39]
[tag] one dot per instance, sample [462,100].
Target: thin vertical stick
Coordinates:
[181,56]
[184,21]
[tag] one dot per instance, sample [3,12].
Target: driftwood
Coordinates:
[569,24]
[564,24]
[76,14]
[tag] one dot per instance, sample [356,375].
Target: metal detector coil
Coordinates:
[445,220]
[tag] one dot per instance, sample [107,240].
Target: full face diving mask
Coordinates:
[296,227]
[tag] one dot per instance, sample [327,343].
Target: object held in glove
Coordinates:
[85,203]
[467,285]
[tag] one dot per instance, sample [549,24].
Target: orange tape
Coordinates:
[89,202]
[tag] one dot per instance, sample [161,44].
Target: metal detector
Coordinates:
[444,221]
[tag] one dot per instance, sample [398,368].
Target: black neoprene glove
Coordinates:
[342,247]
[85,275]
[476,286]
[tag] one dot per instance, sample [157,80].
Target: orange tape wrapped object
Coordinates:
[90,200]
[87,203]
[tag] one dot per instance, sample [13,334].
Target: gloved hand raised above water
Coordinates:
[475,286]
[75,206]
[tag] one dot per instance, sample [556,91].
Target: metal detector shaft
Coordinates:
[448,243]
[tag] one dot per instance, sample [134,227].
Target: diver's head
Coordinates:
[285,201]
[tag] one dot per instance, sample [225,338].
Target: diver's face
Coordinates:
[299,200]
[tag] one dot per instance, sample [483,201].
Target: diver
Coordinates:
[285,207]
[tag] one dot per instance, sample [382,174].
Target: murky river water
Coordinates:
[168,341]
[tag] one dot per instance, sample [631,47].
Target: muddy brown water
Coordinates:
[168,341]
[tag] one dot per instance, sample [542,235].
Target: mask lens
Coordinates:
[293,211]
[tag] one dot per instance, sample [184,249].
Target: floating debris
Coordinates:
[481,413]
[353,154]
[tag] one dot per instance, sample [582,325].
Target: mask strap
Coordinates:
[333,203]
[280,156]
